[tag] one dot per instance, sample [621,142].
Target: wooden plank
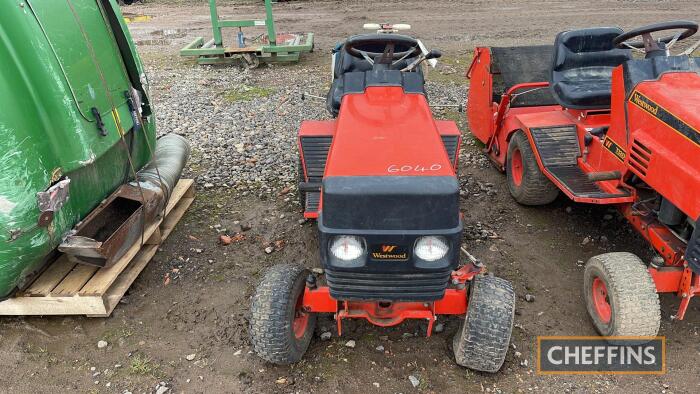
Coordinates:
[190,192]
[51,277]
[179,191]
[176,214]
[72,283]
[104,278]
[132,271]
[154,239]
[52,306]
[58,291]
[127,278]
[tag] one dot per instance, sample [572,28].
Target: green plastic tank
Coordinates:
[73,108]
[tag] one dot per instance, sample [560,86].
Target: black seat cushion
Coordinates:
[348,65]
[582,67]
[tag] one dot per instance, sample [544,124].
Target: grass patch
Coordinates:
[455,78]
[454,115]
[142,365]
[246,93]
[116,333]
[451,69]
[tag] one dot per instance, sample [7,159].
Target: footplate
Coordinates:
[559,151]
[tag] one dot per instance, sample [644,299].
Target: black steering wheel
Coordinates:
[648,42]
[390,46]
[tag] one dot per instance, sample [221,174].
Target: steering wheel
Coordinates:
[392,47]
[648,43]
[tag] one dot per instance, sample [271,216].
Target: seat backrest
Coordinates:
[582,66]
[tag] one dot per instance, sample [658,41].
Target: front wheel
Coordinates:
[621,296]
[527,184]
[482,341]
[280,328]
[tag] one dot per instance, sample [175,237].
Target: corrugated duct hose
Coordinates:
[169,160]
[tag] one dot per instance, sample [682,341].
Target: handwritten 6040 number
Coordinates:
[396,168]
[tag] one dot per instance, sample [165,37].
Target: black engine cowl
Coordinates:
[390,213]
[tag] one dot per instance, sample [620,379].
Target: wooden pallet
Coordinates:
[66,288]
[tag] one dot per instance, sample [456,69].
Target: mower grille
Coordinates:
[451,142]
[354,286]
[313,200]
[315,152]
[640,156]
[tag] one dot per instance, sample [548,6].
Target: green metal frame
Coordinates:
[214,50]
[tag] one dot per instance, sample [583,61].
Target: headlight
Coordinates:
[431,248]
[347,247]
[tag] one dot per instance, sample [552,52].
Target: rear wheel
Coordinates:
[527,184]
[280,328]
[482,341]
[621,296]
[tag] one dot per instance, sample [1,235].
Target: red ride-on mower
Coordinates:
[381,180]
[585,118]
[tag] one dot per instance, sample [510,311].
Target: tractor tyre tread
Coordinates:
[482,341]
[632,292]
[535,188]
[272,311]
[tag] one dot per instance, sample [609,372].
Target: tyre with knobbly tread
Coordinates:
[482,341]
[275,305]
[621,296]
[526,182]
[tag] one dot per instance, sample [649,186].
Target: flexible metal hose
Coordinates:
[168,161]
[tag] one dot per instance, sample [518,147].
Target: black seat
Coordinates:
[346,64]
[582,67]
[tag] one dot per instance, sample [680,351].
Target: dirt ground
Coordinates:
[202,310]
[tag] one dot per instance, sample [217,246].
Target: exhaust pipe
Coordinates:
[111,229]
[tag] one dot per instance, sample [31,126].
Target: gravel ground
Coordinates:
[183,324]
[242,124]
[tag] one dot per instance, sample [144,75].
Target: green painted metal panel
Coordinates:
[272,52]
[59,60]
[83,45]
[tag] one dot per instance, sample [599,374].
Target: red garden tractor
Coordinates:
[585,118]
[381,181]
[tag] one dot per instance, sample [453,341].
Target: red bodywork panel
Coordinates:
[387,132]
[454,302]
[668,150]
[384,132]
[652,134]
[314,128]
